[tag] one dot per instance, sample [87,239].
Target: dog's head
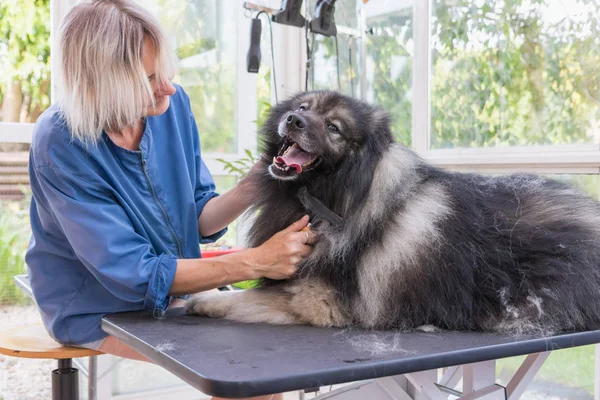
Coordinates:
[315,132]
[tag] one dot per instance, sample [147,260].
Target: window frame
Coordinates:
[245,98]
[551,159]
[16,132]
[557,159]
[290,62]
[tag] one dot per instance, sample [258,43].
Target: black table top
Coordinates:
[228,359]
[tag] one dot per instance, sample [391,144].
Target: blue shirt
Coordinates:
[108,223]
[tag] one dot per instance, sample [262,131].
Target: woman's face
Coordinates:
[162,90]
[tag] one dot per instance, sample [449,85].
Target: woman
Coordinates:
[121,196]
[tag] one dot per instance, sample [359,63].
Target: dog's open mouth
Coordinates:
[293,159]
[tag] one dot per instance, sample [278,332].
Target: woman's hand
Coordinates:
[279,256]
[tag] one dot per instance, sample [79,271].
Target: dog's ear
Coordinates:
[381,132]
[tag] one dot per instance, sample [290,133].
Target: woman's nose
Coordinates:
[165,88]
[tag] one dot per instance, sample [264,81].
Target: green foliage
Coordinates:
[264,108]
[14,237]
[504,74]
[212,90]
[195,47]
[206,73]
[25,52]
[391,59]
[240,167]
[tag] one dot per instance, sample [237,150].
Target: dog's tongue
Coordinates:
[295,157]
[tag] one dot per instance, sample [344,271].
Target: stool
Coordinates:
[33,341]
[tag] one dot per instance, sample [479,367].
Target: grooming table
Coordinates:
[229,359]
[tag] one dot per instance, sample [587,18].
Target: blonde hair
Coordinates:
[103,84]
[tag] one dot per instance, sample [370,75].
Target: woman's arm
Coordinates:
[198,275]
[275,259]
[221,211]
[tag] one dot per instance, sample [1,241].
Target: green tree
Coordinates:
[24,59]
[389,65]
[504,74]
[391,60]
[205,73]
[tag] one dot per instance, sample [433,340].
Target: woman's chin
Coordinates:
[161,106]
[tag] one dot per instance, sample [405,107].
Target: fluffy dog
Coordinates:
[416,245]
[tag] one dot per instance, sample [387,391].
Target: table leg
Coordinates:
[479,375]
[479,383]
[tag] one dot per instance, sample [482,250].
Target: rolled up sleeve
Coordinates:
[157,293]
[103,238]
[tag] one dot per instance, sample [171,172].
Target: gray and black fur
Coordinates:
[420,246]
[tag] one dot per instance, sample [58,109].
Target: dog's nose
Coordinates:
[296,120]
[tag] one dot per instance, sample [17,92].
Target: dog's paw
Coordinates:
[212,305]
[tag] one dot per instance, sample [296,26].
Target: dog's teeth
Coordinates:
[274,160]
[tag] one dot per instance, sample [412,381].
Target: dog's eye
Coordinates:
[302,108]
[333,128]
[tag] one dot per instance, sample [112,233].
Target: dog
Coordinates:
[415,246]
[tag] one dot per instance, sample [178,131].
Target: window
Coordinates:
[25,66]
[206,52]
[24,60]
[24,95]
[335,60]
[514,73]
[389,62]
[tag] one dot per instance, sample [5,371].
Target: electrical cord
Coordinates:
[308,56]
[272,53]
[312,50]
[351,67]
[337,62]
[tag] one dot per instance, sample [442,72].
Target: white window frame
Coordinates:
[246,104]
[290,61]
[557,159]
[546,159]
[15,132]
